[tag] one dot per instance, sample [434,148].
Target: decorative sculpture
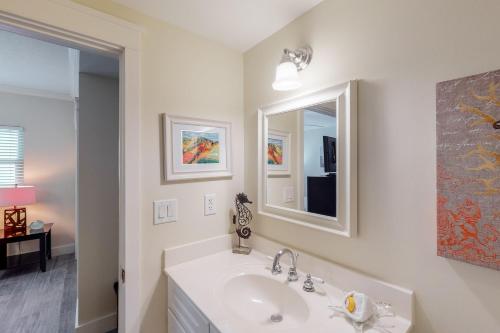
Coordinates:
[242,222]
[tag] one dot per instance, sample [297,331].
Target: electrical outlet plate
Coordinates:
[210,204]
[288,194]
[165,211]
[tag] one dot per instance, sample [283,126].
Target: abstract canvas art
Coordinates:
[468,169]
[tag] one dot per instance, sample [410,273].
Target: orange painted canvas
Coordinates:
[200,147]
[468,169]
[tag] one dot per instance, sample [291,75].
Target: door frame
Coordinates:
[73,25]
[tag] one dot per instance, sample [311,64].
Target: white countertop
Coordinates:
[203,280]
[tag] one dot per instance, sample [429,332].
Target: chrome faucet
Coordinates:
[292,272]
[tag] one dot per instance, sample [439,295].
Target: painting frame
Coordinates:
[282,169]
[468,169]
[183,157]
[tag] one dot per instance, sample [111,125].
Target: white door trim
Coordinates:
[70,24]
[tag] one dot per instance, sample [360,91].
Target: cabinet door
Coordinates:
[213,329]
[183,309]
[173,324]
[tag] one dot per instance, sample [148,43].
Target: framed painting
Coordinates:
[468,169]
[278,153]
[196,148]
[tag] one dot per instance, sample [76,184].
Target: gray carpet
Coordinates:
[36,302]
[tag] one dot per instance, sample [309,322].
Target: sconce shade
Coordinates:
[17,196]
[287,77]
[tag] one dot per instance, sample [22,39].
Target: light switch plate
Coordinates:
[165,211]
[210,204]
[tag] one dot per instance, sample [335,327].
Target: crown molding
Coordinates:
[4,88]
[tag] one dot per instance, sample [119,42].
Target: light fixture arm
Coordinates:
[300,57]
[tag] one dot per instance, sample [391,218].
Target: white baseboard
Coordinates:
[63,249]
[99,325]
[56,250]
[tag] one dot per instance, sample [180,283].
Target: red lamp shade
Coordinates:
[17,196]
[15,218]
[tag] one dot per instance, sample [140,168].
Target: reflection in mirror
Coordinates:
[302,159]
[308,160]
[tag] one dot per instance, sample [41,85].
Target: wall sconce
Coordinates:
[287,72]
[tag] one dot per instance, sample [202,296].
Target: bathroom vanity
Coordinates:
[183,315]
[210,289]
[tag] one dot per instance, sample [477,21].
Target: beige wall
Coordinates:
[399,50]
[182,74]
[50,163]
[97,270]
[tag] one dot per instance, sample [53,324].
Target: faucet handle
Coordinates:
[292,274]
[292,271]
[309,283]
[276,269]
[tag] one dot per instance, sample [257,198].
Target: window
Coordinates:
[11,155]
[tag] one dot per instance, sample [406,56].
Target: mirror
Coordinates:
[301,159]
[307,160]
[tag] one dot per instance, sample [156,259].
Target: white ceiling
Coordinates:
[33,67]
[320,116]
[92,63]
[31,64]
[239,24]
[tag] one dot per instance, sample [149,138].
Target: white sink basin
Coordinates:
[256,298]
[238,293]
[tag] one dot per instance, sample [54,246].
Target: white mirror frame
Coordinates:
[345,224]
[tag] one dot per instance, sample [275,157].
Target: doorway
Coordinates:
[70,24]
[63,107]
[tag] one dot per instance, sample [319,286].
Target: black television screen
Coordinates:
[330,154]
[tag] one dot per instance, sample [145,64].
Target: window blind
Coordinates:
[11,155]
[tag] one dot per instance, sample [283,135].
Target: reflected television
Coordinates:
[330,154]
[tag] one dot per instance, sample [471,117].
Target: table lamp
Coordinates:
[15,218]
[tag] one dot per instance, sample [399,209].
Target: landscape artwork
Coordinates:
[468,169]
[275,151]
[200,147]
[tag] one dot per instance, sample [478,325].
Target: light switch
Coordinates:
[162,208]
[172,210]
[165,211]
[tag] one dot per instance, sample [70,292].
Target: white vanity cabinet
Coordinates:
[183,315]
[173,324]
